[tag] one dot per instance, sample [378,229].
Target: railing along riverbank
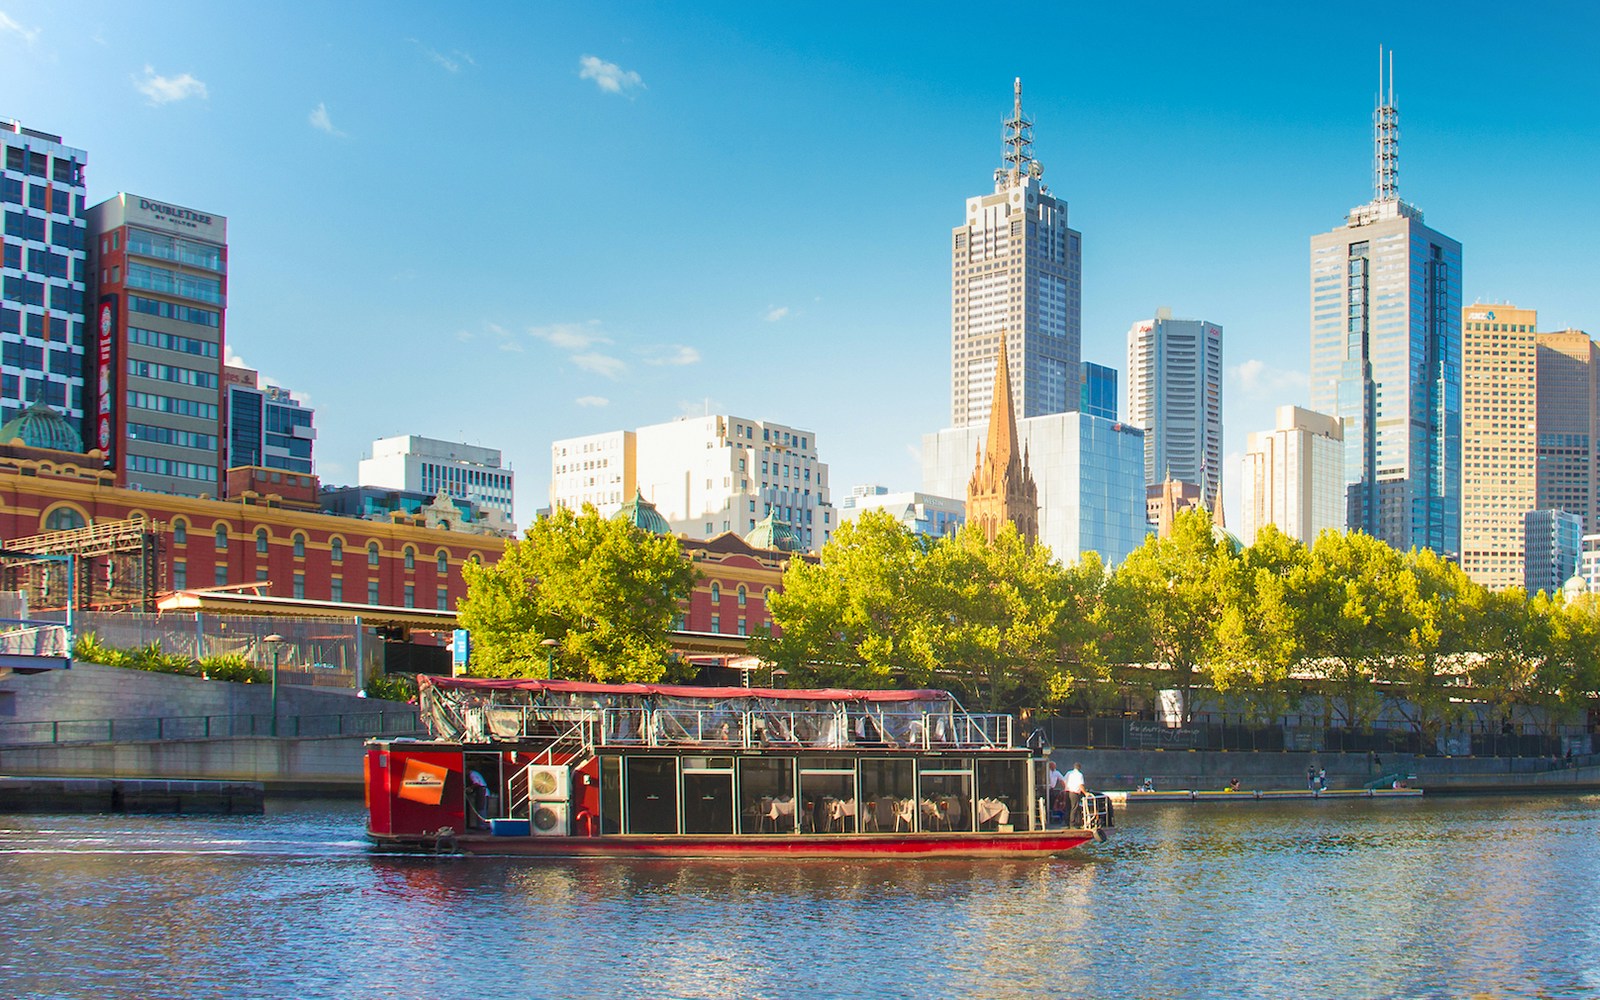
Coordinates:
[1136,734]
[380,722]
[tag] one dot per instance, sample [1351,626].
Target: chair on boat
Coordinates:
[905,814]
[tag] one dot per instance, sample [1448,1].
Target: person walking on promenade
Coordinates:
[1311,776]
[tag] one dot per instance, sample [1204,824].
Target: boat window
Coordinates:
[888,795]
[766,790]
[610,794]
[1002,794]
[652,793]
[945,796]
[707,795]
[827,798]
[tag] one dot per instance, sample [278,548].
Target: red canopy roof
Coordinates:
[677,690]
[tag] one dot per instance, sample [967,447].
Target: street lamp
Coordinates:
[550,657]
[776,673]
[274,640]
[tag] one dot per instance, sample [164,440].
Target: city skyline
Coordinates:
[539,225]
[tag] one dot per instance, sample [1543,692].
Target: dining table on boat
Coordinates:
[994,809]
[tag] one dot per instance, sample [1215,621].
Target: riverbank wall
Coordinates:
[313,765]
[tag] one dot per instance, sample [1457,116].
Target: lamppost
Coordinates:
[550,657]
[274,640]
[776,673]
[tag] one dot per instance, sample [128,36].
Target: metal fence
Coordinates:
[396,721]
[1134,734]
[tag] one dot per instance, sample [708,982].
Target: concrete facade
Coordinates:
[1293,477]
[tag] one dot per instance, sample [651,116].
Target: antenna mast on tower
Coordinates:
[1386,137]
[1018,133]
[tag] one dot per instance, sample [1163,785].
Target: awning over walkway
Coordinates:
[376,615]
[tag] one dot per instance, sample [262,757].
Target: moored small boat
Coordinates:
[573,769]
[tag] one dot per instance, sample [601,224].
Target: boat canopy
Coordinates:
[561,687]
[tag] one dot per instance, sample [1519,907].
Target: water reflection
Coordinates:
[1494,897]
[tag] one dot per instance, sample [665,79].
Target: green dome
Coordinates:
[641,513]
[774,535]
[41,427]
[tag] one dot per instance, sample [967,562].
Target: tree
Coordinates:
[1354,596]
[606,591]
[1259,634]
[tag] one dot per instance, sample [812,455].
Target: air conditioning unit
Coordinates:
[549,783]
[551,819]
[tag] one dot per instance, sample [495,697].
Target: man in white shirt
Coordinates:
[1055,785]
[1075,790]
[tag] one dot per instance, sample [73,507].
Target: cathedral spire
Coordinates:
[1002,415]
[1002,488]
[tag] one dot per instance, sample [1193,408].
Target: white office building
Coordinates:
[426,465]
[920,513]
[1175,394]
[596,469]
[1294,477]
[1089,472]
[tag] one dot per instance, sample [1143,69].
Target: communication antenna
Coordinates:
[1386,136]
[1018,135]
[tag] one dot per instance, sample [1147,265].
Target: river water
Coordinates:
[1415,898]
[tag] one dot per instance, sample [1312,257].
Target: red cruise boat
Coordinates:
[573,769]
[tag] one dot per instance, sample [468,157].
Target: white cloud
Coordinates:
[320,120]
[7,25]
[593,401]
[675,354]
[776,313]
[451,63]
[570,336]
[1256,378]
[234,361]
[166,89]
[600,364]
[609,77]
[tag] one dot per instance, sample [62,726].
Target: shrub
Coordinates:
[392,687]
[234,667]
[89,649]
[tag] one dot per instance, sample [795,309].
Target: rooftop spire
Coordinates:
[1018,133]
[1386,136]
[1002,448]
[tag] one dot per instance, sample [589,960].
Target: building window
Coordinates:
[180,575]
[372,592]
[64,519]
[336,550]
[222,538]
[716,592]
[219,576]
[411,560]
[300,586]
[411,596]
[444,563]
[180,532]
[742,594]
[261,575]
[741,626]
[261,541]
[716,623]
[372,553]
[299,546]
[336,589]
[442,599]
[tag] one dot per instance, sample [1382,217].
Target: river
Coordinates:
[1415,898]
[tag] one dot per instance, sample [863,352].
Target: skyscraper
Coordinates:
[1175,394]
[1386,356]
[1015,268]
[1293,477]
[1567,376]
[42,293]
[266,425]
[1499,454]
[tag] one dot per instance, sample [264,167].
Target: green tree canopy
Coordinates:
[606,591]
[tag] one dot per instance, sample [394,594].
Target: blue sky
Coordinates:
[510,223]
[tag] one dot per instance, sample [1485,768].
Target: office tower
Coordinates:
[919,513]
[1499,451]
[1386,357]
[1001,488]
[1567,376]
[1175,394]
[1554,549]
[1294,477]
[160,273]
[1099,393]
[1015,270]
[42,292]
[266,425]
[426,465]
[598,469]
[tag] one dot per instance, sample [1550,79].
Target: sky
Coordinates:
[510,223]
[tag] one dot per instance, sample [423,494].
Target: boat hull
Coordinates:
[923,845]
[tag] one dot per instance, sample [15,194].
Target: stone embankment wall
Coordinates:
[94,691]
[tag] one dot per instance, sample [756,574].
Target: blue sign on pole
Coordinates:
[460,647]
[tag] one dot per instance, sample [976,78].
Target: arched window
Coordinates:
[261,540]
[222,537]
[372,553]
[766,595]
[180,531]
[336,549]
[444,563]
[299,545]
[716,592]
[64,519]
[411,557]
[742,595]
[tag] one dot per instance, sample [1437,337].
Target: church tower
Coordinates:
[1001,488]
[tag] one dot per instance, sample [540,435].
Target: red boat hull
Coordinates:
[923,845]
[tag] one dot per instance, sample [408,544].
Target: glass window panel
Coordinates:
[766,795]
[652,794]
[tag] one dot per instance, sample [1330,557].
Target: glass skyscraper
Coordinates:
[1386,359]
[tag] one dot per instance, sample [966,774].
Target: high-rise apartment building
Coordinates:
[160,274]
[1567,367]
[1175,394]
[1294,477]
[266,425]
[598,469]
[1386,357]
[42,275]
[1499,454]
[1015,273]
[461,471]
